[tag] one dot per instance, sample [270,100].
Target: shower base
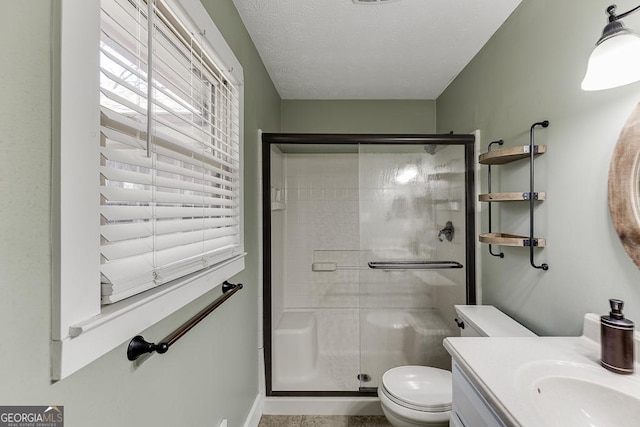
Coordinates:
[308,356]
[333,372]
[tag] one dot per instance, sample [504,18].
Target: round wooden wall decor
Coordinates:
[624,186]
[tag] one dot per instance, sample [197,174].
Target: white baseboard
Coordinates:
[253,418]
[321,406]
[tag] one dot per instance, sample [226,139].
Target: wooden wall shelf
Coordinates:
[510,197]
[503,156]
[504,239]
[510,154]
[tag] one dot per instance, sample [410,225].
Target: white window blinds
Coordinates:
[170,189]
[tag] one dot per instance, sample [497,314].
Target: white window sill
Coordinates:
[118,323]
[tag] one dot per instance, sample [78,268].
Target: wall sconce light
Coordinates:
[615,61]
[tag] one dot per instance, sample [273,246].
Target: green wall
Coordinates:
[212,373]
[530,71]
[355,116]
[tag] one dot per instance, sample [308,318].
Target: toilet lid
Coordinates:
[419,387]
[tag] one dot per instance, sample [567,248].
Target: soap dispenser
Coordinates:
[616,335]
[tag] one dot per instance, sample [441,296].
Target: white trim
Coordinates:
[478,217]
[113,311]
[322,406]
[262,375]
[255,413]
[82,330]
[193,11]
[76,210]
[105,332]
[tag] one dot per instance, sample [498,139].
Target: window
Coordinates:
[148,198]
[170,157]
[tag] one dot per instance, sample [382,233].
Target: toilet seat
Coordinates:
[419,388]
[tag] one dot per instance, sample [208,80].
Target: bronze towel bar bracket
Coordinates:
[138,346]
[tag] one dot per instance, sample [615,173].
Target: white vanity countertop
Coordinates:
[494,366]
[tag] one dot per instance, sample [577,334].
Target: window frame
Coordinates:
[84,330]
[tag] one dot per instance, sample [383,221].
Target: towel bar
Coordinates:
[413,265]
[138,346]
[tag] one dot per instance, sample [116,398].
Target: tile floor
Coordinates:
[322,421]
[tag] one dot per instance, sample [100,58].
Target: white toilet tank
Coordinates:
[488,321]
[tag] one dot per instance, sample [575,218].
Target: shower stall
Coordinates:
[368,245]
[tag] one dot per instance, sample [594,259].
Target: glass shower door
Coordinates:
[411,259]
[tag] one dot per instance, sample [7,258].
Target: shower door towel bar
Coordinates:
[413,265]
[138,346]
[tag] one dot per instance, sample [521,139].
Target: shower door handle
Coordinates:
[413,265]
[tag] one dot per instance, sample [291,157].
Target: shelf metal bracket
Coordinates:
[499,142]
[532,243]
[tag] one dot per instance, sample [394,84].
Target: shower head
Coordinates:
[430,149]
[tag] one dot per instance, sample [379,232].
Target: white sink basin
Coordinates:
[572,394]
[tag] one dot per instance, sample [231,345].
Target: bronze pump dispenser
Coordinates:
[616,335]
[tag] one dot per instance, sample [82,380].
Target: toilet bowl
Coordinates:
[421,396]
[416,396]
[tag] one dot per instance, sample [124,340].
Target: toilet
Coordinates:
[421,396]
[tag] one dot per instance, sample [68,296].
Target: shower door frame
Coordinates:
[268,139]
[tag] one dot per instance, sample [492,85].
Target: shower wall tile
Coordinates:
[344,258]
[316,194]
[324,208]
[451,289]
[304,194]
[396,289]
[279,242]
[322,214]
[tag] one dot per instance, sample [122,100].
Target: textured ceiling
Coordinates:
[335,49]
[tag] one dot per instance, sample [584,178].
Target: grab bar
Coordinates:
[413,265]
[138,346]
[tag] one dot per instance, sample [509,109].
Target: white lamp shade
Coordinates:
[614,62]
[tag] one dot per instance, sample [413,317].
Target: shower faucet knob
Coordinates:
[447,232]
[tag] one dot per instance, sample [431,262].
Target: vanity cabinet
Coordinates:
[470,408]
